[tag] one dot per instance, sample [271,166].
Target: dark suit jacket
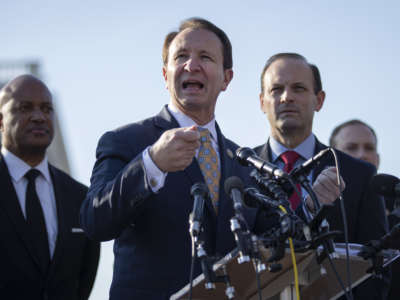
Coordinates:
[73,268]
[152,244]
[366,218]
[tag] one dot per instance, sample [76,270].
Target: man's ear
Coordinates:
[228,75]
[262,102]
[378,160]
[320,100]
[164,73]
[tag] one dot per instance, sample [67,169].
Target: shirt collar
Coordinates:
[18,168]
[185,121]
[305,149]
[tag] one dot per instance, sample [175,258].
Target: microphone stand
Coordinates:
[373,249]
[318,225]
[247,244]
[210,276]
[206,263]
[288,221]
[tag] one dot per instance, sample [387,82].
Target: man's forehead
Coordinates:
[20,97]
[288,70]
[357,131]
[201,39]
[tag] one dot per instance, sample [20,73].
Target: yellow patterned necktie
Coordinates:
[208,161]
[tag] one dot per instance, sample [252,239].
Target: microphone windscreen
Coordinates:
[384,184]
[199,188]
[243,153]
[233,182]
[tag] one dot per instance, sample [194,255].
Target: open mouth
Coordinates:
[192,84]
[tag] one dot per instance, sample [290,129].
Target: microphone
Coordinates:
[307,166]
[388,241]
[247,157]
[253,198]
[234,188]
[199,193]
[391,239]
[386,185]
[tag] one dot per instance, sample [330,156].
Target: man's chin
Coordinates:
[37,146]
[290,125]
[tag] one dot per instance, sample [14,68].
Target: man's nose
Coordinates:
[361,153]
[38,115]
[192,64]
[287,95]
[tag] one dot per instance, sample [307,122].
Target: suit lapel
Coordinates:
[10,204]
[63,210]
[226,158]
[264,152]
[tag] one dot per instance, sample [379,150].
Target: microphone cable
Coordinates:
[348,291]
[258,281]
[192,268]
[295,272]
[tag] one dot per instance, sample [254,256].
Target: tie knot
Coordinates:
[205,136]
[32,174]
[290,157]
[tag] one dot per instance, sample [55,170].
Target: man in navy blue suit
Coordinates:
[291,92]
[141,181]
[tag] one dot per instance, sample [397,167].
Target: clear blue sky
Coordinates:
[102,60]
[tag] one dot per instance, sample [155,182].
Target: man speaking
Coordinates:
[141,181]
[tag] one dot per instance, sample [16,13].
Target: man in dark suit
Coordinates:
[358,139]
[291,91]
[141,181]
[44,253]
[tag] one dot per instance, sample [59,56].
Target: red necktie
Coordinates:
[290,158]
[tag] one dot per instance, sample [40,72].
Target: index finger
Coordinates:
[188,134]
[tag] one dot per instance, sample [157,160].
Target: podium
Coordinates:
[317,281]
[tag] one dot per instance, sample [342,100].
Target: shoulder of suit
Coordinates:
[134,127]
[355,163]
[66,178]
[142,131]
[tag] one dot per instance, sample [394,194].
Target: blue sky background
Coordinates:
[102,60]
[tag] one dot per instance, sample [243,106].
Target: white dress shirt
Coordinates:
[155,176]
[44,188]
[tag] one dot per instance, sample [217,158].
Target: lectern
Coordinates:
[317,281]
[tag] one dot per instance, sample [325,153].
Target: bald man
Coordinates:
[44,253]
[357,139]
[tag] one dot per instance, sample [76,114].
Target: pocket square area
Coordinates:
[76,230]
